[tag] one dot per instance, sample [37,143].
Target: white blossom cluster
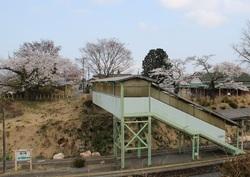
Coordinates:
[35,69]
[167,78]
[228,69]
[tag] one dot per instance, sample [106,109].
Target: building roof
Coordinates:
[236,114]
[123,78]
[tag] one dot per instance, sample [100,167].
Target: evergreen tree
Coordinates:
[156,58]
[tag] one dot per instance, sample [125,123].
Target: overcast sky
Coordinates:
[181,27]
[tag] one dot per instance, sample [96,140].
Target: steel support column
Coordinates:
[237,137]
[180,142]
[138,143]
[122,128]
[242,133]
[115,136]
[137,129]
[149,141]
[195,147]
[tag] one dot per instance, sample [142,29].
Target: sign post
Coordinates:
[23,155]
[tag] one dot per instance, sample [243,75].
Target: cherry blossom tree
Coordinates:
[35,65]
[228,69]
[169,78]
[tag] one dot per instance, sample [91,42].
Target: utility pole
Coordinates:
[88,74]
[4,142]
[82,62]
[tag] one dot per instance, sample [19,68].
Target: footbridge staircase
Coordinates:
[135,100]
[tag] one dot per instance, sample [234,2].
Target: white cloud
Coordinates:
[206,18]
[209,13]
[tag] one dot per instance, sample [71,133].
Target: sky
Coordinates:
[182,28]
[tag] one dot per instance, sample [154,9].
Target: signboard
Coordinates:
[23,155]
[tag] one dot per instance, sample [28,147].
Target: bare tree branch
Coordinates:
[243,48]
[106,57]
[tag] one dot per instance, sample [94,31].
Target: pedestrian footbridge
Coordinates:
[135,100]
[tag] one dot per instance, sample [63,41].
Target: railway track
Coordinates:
[107,159]
[111,167]
[188,168]
[166,170]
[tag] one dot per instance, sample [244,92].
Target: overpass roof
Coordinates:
[123,78]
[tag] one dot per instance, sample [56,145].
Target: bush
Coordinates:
[225,99]
[233,105]
[88,103]
[242,106]
[237,167]
[222,107]
[213,107]
[203,102]
[78,162]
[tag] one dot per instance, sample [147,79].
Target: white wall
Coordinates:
[187,121]
[134,105]
[140,105]
[110,103]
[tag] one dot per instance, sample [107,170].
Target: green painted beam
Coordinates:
[242,134]
[237,137]
[114,136]
[136,135]
[122,128]
[139,142]
[149,141]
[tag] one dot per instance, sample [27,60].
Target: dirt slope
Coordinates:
[68,126]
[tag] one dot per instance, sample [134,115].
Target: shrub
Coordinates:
[239,166]
[213,107]
[88,103]
[233,105]
[222,107]
[243,101]
[78,162]
[203,102]
[225,99]
[9,156]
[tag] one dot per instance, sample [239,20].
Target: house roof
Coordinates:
[236,114]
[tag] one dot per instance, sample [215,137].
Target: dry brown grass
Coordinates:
[225,102]
[24,130]
[238,167]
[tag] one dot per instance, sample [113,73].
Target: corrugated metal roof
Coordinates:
[123,78]
[236,114]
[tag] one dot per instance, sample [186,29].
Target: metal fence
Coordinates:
[36,97]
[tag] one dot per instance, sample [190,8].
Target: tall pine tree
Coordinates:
[156,58]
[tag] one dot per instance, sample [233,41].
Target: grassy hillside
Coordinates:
[69,126]
[52,127]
